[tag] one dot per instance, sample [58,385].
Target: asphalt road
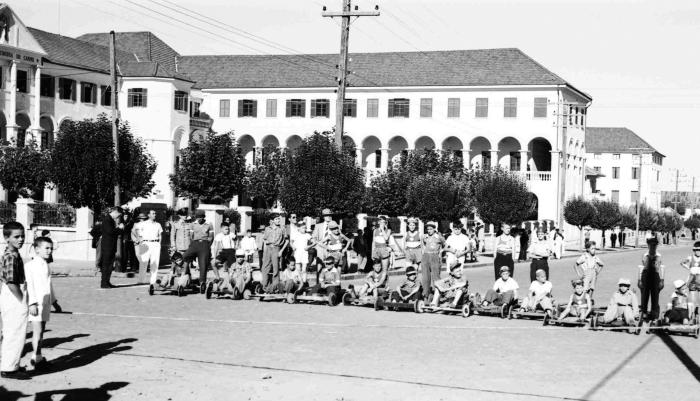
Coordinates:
[122,344]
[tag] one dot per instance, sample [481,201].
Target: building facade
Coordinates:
[629,168]
[490,107]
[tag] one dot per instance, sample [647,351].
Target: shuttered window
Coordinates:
[320,108]
[66,89]
[181,100]
[48,86]
[88,93]
[350,108]
[137,97]
[247,108]
[295,108]
[399,107]
[105,95]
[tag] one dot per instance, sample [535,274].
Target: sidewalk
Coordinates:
[82,268]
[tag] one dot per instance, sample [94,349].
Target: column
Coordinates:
[384,159]
[12,113]
[246,213]
[358,157]
[523,161]
[257,155]
[36,130]
[494,158]
[466,163]
[556,161]
[82,248]
[50,194]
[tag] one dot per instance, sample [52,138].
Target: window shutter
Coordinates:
[145,97]
[391,107]
[240,108]
[94,94]
[302,103]
[313,108]
[255,108]
[288,112]
[73,90]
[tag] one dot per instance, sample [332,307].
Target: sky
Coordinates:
[637,58]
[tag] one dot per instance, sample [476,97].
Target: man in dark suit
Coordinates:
[111,228]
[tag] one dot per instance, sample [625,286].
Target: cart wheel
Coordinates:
[258,288]
[291,298]
[378,303]
[331,300]
[466,310]
[151,290]
[420,305]
[180,291]
[347,299]
[504,311]
[246,294]
[235,293]
[208,291]
[594,322]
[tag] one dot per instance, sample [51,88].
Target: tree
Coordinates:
[322,176]
[24,170]
[607,216]
[437,197]
[648,219]
[693,224]
[580,213]
[211,169]
[264,180]
[499,196]
[87,178]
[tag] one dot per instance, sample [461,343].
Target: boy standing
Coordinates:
[41,296]
[456,245]
[431,259]
[13,303]
[275,240]
[651,280]
[588,267]
[412,242]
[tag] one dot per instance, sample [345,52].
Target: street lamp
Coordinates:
[639,152]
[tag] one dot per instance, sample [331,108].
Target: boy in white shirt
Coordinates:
[224,245]
[456,245]
[40,296]
[504,290]
[248,246]
[540,293]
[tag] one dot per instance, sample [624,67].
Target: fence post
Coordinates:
[25,216]
[213,215]
[246,213]
[403,225]
[84,219]
[361,221]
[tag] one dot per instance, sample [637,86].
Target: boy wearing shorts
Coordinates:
[328,278]
[409,290]
[41,295]
[678,314]
[456,245]
[375,281]
[588,267]
[241,274]
[504,290]
[412,244]
[291,280]
[539,294]
[179,275]
[580,304]
[452,288]
[623,303]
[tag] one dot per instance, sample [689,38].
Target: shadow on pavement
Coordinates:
[8,395]
[51,342]
[682,356]
[617,369]
[85,356]
[101,393]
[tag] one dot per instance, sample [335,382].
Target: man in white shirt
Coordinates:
[320,231]
[146,235]
[224,245]
[456,245]
[504,291]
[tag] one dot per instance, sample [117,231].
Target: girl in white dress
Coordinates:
[40,296]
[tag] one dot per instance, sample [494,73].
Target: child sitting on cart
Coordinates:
[623,304]
[375,281]
[328,279]
[179,275]
[409,290]
[222,282]
[292,280]
[539,294]
[240,273]
[579,305]
[450,289]
[678,314]
[504,291]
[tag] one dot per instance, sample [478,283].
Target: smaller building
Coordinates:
[629,167]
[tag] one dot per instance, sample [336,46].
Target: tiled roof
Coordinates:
[148,69]
[145,45]
[77,53]
[435,68]
[614,140]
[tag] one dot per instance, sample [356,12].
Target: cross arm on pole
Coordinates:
[332,14]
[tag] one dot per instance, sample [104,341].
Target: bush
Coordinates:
[437,197]
[500,196]
[24,170]
[580,213]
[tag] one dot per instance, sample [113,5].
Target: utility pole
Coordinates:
[639,152]
[115,111]
[343,64]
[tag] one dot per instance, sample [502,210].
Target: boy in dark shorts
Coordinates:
[409,290]
[678,314]
[450,289]
[376,280]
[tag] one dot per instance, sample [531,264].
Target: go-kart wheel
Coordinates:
[209,290]
[246,294]
[504,311]
[236,294]
[378,303]
[258,288]
[291,298]
[466,310]
[332,300]
[347,299]
[151,289]
[420,306]
[202,287]
[180,291]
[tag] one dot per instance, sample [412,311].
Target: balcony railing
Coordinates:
[538,176]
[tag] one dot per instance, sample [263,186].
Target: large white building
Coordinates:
[630,167]
[490,107]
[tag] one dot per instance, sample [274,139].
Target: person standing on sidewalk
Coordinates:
[200,247]
[181,234]
[147,235]
[651,280]
[540,251]
[112,227]
[431,259]
[274,239]
[505,246]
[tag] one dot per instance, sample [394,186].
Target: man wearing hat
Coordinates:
[202,234]
[146,235]
[651,280]
[431,260]
[622,304]
[320,231]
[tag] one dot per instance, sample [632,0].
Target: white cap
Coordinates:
[678,283]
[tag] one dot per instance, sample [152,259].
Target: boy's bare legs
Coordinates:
[436,297]
[458,296]
[37,336]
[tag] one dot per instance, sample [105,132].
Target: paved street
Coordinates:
[126,345]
